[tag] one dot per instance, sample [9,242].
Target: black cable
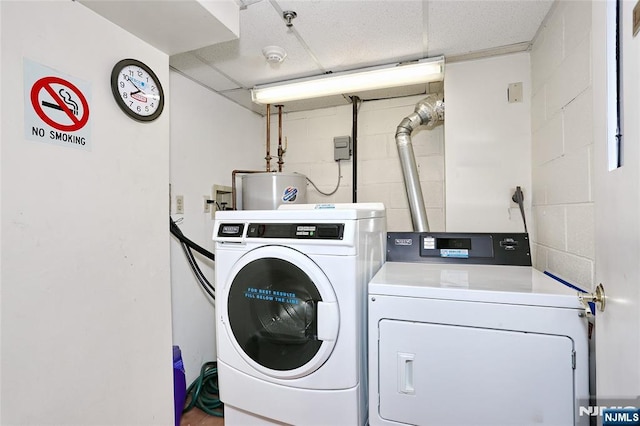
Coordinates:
[186,245]
[196,269]
[518,197]
[206,286]
[204,391]
[177,232]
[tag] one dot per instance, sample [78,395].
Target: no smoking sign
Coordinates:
[56,107]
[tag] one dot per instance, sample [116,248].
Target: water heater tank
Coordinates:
[267,191]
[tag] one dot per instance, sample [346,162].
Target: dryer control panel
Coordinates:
[318,231]
[464,248]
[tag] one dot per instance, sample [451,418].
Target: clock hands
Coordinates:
[139,90]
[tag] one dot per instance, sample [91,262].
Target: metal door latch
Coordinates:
[598,297]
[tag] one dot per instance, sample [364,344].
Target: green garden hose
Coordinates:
[203,392]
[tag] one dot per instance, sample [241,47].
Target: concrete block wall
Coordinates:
[310,151]
[562,144]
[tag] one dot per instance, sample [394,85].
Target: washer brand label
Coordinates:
[290,194]
[403,242]
[325,206]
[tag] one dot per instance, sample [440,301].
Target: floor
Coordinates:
[197,417]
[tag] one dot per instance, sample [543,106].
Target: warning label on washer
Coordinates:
[56,107]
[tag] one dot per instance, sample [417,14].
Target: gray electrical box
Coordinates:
[341,148]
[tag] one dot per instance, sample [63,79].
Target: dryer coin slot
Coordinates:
[509,244]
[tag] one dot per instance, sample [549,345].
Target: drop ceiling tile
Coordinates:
[190,65]
[347,34]
[242,59]
[459,27]
[350,34]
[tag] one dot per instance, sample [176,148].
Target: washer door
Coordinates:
[282,312]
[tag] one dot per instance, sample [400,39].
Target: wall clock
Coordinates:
[137,90]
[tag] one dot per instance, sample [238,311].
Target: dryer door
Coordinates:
[282,312]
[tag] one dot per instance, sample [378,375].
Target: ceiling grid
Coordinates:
[343,35]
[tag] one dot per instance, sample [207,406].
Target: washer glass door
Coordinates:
[273,308]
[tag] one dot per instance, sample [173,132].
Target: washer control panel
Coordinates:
[318,231]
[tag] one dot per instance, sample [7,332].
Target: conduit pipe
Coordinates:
[354,146]
[428,112]
[268,156]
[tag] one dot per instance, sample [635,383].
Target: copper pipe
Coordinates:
[233,184]
[280,150]
[268,157]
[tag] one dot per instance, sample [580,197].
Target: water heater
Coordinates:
[269,190]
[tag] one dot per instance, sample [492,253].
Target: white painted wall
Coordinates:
[310,151]
[1,97]
[86,301]
[487,144]
[210,137]
[562,147]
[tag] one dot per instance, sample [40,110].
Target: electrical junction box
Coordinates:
[514,92]
[341,148]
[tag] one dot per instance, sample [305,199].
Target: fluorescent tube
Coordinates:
[351,82]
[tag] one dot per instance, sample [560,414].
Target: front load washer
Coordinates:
[291,312]
[454,342]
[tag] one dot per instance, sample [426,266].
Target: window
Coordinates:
[614,85]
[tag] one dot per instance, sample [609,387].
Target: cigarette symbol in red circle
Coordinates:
[64,101]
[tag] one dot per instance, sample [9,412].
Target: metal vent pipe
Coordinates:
[428,112]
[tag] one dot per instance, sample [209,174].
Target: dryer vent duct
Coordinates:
[428,112]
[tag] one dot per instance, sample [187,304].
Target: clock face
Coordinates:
[137,90]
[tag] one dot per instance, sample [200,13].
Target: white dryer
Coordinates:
[291,312]
[455,343]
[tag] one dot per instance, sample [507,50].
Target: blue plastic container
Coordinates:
[179,383]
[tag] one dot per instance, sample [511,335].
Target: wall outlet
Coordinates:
[206,203]
[179,204]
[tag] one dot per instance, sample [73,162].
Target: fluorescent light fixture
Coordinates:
[397,75]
